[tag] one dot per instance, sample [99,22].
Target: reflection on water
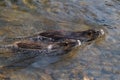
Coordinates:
[98,61]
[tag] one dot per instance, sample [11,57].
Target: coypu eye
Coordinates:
[102,31]
[63,44]
[66,43]
[89,33]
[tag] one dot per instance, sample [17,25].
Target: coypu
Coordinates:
[48,43]
[83,36]
[23,50]
[55,36]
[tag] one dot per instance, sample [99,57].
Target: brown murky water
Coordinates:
[98,61]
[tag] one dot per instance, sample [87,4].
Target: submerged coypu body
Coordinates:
[50,43]
[23,50]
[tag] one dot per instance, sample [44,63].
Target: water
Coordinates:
[98,61]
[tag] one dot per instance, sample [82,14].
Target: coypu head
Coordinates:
[63,47]
[47,49]
[88,35]
[70,43]
[29,45]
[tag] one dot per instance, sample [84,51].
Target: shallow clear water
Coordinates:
[98,61]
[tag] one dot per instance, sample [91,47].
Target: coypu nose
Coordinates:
[102,32]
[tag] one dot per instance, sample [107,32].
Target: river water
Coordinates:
[98,61]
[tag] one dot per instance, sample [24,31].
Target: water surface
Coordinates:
[98,61]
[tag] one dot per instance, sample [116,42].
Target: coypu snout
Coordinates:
[88,35]
[97,34]
[91,35]
[102,32]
